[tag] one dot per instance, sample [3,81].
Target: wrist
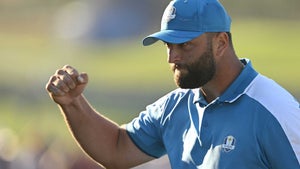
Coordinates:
[75,104]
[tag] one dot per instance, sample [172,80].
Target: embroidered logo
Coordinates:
[228,144]
[169,14]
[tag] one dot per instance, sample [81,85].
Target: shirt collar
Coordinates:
[235,90]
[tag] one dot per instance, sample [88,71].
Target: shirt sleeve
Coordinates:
[145,130]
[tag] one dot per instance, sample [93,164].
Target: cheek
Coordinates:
[195,54]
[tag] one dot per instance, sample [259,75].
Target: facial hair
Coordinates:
[197,73]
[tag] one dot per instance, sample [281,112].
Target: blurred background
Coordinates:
[103,38]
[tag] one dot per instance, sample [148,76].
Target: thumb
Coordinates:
[82,79]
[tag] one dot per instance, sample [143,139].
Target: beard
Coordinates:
[197,73]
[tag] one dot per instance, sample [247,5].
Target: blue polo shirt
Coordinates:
[254,124]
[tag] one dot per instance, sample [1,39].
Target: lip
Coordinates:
[178,66]
[174,67]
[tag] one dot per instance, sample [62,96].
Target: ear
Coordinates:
[221,43]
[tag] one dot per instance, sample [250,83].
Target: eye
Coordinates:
[186,45]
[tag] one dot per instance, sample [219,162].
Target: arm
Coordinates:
[102,139]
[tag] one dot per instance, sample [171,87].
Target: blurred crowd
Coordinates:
[107,20]
[34,152]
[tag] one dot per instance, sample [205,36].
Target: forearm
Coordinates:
[105,141]
[97,135]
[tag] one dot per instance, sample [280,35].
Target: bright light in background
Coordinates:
[9,144]
[74,20]
[104,20]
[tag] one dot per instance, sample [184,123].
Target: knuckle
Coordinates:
[52,79]
[67,66]
[58,83]
[67,79]
[60,72]
[50,82]
[70,70]
[51,89]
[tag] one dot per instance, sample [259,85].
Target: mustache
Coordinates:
[178,66]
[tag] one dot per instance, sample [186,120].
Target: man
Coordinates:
[223,115]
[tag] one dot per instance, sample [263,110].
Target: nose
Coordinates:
[173,54]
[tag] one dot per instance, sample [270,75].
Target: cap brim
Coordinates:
[171,36]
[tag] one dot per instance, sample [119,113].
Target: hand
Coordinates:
[66,85]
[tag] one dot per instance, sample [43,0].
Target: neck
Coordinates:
[226,73]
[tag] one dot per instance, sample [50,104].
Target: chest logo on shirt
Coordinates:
[228,144]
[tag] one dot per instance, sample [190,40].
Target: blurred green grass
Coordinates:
[272,46]
[124,76]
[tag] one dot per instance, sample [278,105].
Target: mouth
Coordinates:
[177,67]
[174,67]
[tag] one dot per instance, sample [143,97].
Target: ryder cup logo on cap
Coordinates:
[169,14]
[184,20]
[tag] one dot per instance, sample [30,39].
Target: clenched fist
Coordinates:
[66,85]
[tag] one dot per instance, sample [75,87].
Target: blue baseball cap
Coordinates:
[184,20]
